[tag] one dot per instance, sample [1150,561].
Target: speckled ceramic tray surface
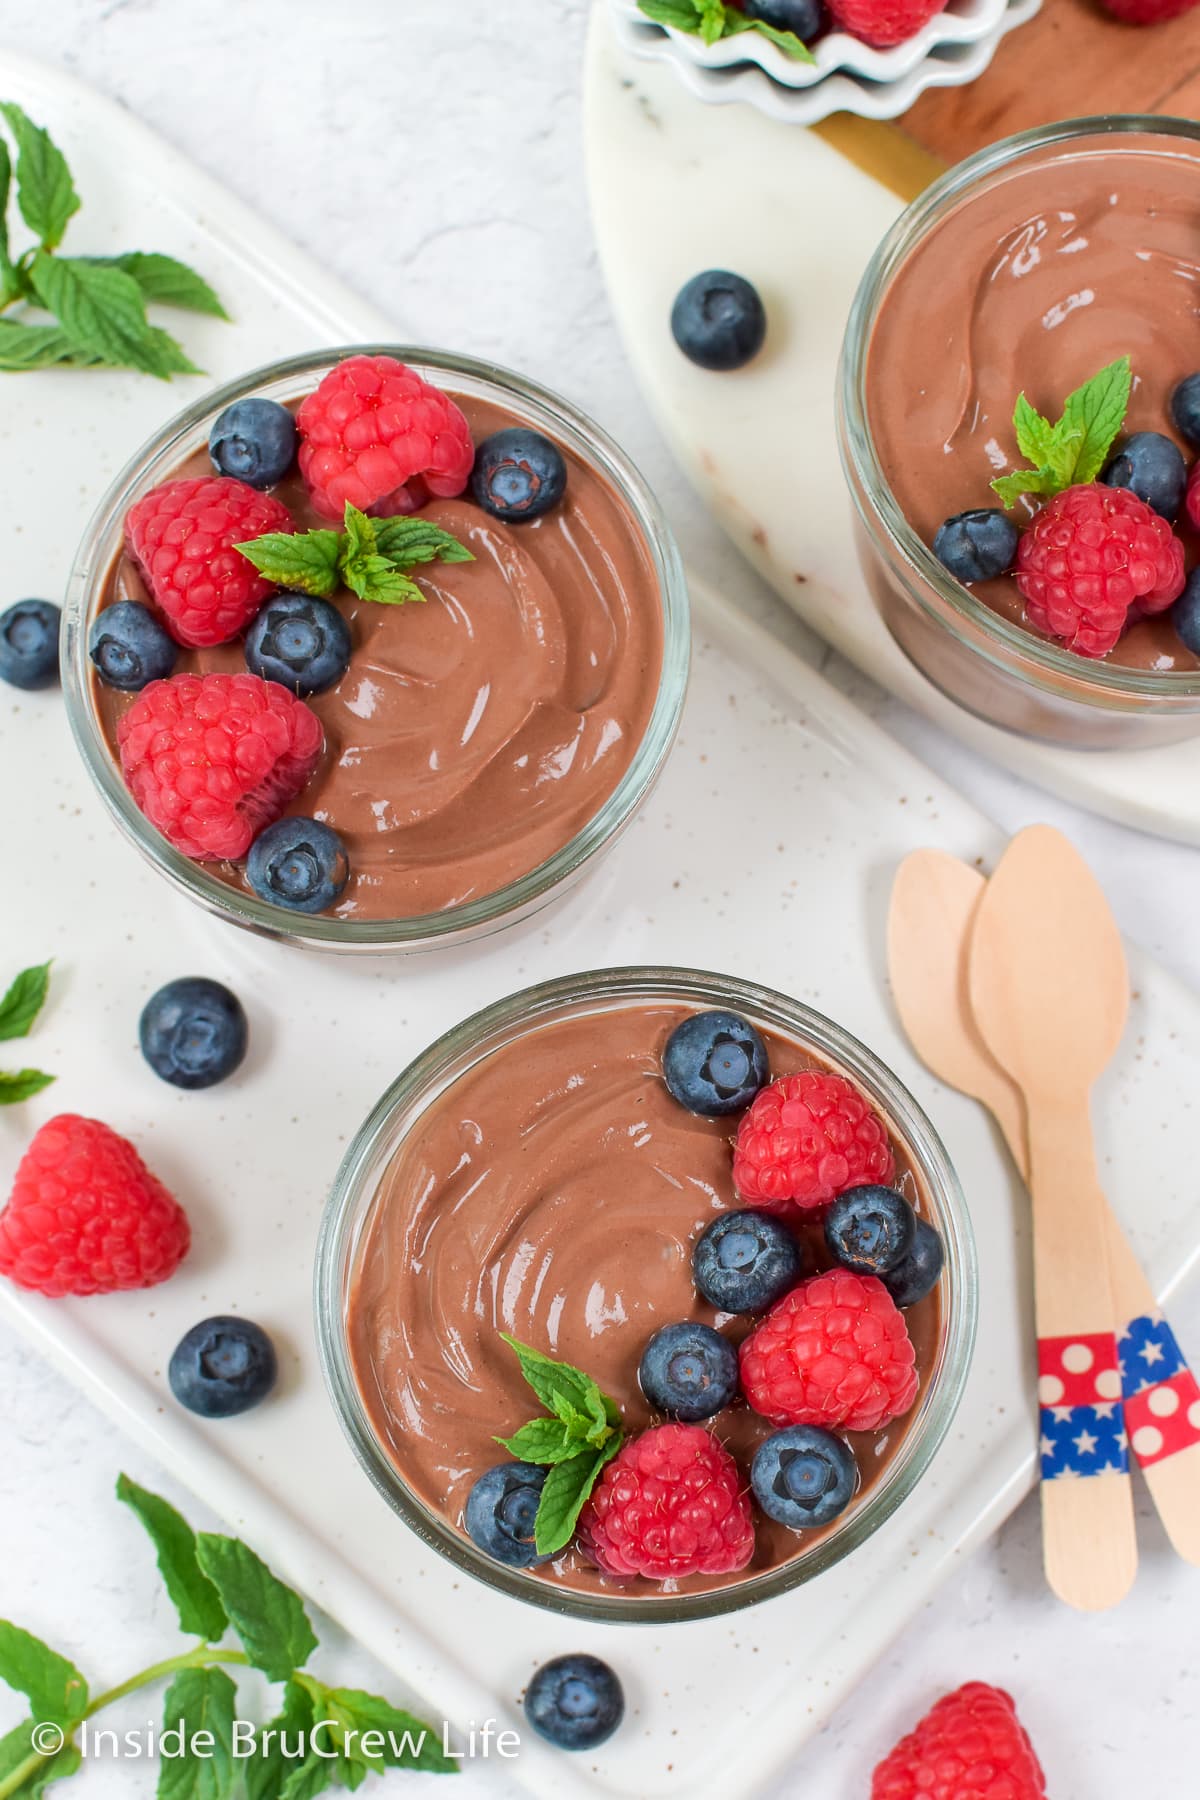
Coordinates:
[767,850]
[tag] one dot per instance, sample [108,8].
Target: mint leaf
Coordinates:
[680,15]
[304,561]
[22,1085]
[100,309]
[374,578]
[45,192]
[24,347]
[313,1776]
[1035,435]
[17,1747]
[24,1001]
[56,1691]
[409,541]
[200,1700]
[373,1735]
[564,1493]
[359,533]
[166,282]
[8,282]
[712,19]
[546,1440]
[268,1616]
[280,1747]
[1094,414]
[557,1384]
[195,1598]
[786,40]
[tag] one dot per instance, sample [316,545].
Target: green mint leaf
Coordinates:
[373,578]
[24,347]
[166,282]
[557,1385]
[100,309]
[305,562]
[17,1747]
[680,15]
[8,281]
[165,356]
[268,1616]
[1094,414]
[1035,435]
[45,192]
[406,542]
[312,1777]
[193,1595]
[280,1747]
[787,41]
[712,20]
[24,1001]
[564,1493]
[375,1735]
[200,1700]
[22,1084]
[1026,481]
[546,1440]
[56,1691]
[359,531]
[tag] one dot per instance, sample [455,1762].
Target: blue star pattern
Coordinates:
[1149,1355]
[1083,1440]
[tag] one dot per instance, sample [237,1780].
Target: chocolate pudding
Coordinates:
[554,1191]
[474,736]
[1033,282]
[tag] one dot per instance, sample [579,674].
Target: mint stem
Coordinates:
[204,1656]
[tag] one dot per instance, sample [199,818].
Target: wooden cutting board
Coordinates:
[1071,60]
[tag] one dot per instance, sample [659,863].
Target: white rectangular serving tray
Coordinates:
[767,851]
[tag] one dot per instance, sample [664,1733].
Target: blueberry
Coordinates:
[193,1032]
[800,16]
[518,474]
[221,1367]
[689,1372]
[803,1477]
[255,441]
[29,644]
[1185,614]
[1185,409]
[575,1702]
[130,648]
[745,1261]
[1152,467]
[714,1063]
[912,1279]
[501,1510]
[303,644]
[977,546]
[298,863]
[718,320]
[870,1229]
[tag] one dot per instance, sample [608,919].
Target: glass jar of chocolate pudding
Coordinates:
[480,750]
[533,1174]
[1027,268]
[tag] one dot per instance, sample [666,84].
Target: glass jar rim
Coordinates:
[487,912]
[1057,665]
[487,1032]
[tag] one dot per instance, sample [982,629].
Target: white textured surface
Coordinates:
[430,155]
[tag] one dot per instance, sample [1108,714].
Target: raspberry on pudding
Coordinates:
[527,1348]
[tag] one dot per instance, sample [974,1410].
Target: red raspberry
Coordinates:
[672,1502]
[182,535]
[212,759]
[370,428]
[805,1139]
[883,22]
[1091,555]
[834,1352]
[1192,498]
[86,1216]
[1146,12]
[970,1746]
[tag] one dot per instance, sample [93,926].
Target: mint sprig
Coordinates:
[99,302]
[580,1433]
[1076,448]
[19,1009]
[713,20]
[370,557]
[215,1581]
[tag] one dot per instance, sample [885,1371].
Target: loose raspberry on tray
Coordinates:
[370,429]
[805,1139]
[212,759]
[970,1744]
[183,536]
[1091,557]
[86,1216]
[672,1502]
[834,1352]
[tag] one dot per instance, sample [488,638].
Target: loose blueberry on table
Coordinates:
[575,1702]
[718,320]
[222,1366]
[193,1032]
[29,644]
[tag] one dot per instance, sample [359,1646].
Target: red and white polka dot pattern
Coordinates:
[1163,1419]
[1078,1371]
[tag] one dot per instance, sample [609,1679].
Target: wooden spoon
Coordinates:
[932,914]
[1050,994]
